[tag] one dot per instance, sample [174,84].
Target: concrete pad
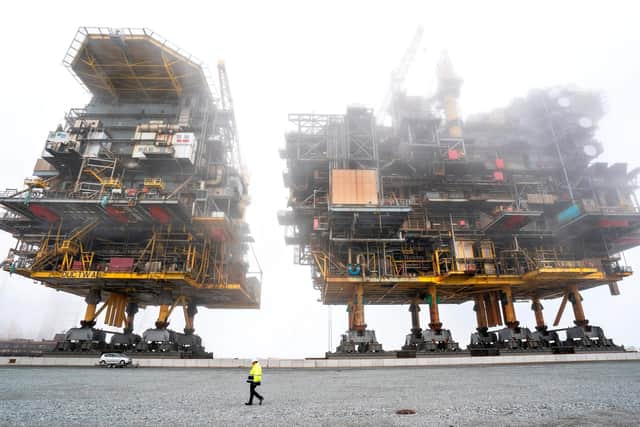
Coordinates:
[347,363]
[353,363]
[272,363]
[389,362]
[228,363]
[332,363]
[297,363]
[378,363]
[151,363]
[179,363]
[367,363]
[193,363]
[321,363]
[285,363]
[213,363]
[29,361]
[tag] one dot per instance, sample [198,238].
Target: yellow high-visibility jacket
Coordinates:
[256,371]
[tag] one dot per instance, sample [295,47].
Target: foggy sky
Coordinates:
[319,57]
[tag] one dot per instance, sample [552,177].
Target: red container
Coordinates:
[120,264]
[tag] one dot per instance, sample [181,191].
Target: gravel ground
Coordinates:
[562,394]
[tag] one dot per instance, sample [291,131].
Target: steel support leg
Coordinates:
[163,317]
[481,313]
[537,308]
[132,309]
[414,308]
[494,317]
[415,337]
[434,312]
[578,311]
[358,338]
[92,301]
[358,309]
[435,338]
[508,309]
[190,311]
[542,337]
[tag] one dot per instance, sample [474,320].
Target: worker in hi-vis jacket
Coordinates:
[254,380]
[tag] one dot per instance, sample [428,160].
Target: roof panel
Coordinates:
[134,65]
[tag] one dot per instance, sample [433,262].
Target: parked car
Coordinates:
[115,359]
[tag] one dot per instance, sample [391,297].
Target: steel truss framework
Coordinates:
[139,199]
[492,214]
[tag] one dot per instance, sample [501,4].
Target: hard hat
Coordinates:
[254,360]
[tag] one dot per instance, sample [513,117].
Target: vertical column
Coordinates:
[434,313]
[414,308]
[578,311]
[493,310]
[131,310]
[358,309]
[163,317]
[481,313]
[190,311]
[537,308]
[350,315]
[508,310]
[92,301]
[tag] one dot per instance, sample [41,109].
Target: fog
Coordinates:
[302,56]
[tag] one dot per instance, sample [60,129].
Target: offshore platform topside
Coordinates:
[139,198]
[508,206]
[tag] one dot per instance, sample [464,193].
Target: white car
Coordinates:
[115,359]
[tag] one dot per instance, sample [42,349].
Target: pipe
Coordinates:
[218,178]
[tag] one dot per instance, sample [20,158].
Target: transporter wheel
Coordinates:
[122,363]
[102,363]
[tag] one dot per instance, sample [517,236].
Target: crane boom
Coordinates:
[227,122]
[400,72]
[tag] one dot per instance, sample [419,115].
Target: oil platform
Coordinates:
[506,206]
[138,200]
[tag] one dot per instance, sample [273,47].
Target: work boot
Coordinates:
[261,399]
[248,404]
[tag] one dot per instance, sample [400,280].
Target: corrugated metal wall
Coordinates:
[354,187]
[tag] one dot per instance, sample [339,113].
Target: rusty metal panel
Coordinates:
[354,187]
